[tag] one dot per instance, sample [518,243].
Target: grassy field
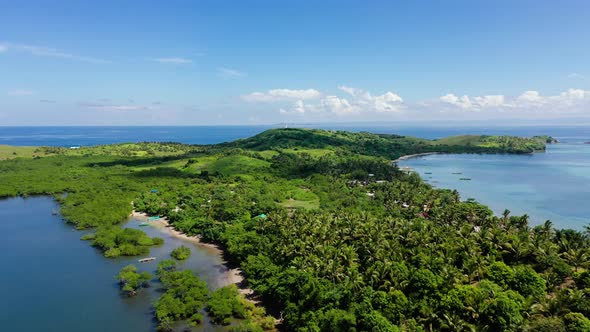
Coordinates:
[460,140]
[297,204]
[312,152]
[231,165]
[11,152]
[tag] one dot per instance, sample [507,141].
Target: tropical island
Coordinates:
[327,231]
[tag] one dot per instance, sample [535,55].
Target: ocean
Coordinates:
[84,136]
[554,185]
[51,265]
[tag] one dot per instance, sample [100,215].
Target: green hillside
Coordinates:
[328,232]
[384,145]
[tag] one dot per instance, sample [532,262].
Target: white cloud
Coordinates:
[358,102]
[530,97]
[576,75]
[462,102]
[298,108]
[571,100]
[574,94]
[172,60]
[475,103]
[489,101]
[48,52]
[229,73]
[281,95]
[21,93]
[116,107]
[338,105]
[387,102]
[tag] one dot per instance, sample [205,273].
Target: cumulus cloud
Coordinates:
[357,101]
[387,102]
[20,92]
[327,105]
[281,95]
[530,98]
[298,108]
[462,102]
[48,52]
[172,60]
[337,105]
[569,100]
[229,73]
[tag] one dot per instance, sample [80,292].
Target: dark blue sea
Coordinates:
[554,185]
[66,285]
[84,136]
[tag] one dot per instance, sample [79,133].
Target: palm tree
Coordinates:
[505,216]
[454,322]
[576,257]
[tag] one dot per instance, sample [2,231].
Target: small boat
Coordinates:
[154,218]
[465,179]
[144,224]
[147,259]
[456,173]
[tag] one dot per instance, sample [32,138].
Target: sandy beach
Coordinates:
[409,156]
[232,276]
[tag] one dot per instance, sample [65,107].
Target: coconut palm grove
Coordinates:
[329,234]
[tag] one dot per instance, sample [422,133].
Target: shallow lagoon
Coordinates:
[53,281]
[554,185]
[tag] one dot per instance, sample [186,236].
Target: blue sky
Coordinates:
[252,62]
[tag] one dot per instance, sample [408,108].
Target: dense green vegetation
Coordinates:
[185,296]
[388,146]
[227,303]
[181,253]
[224,304]
[329,234]
[115,241]
[131,281]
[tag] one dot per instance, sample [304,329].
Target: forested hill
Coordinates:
[385,145]
[329,234]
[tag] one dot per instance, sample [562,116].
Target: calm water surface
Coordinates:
[84,136]
[53,281]
[554,185]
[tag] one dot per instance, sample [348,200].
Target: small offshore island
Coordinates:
[329,234]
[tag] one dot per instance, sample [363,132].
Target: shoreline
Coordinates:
[232,276]
[415,155]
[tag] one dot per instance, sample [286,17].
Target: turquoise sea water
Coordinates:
[52,281]
[554,185]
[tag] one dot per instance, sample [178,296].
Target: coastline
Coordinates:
[415,155]
[232,276]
